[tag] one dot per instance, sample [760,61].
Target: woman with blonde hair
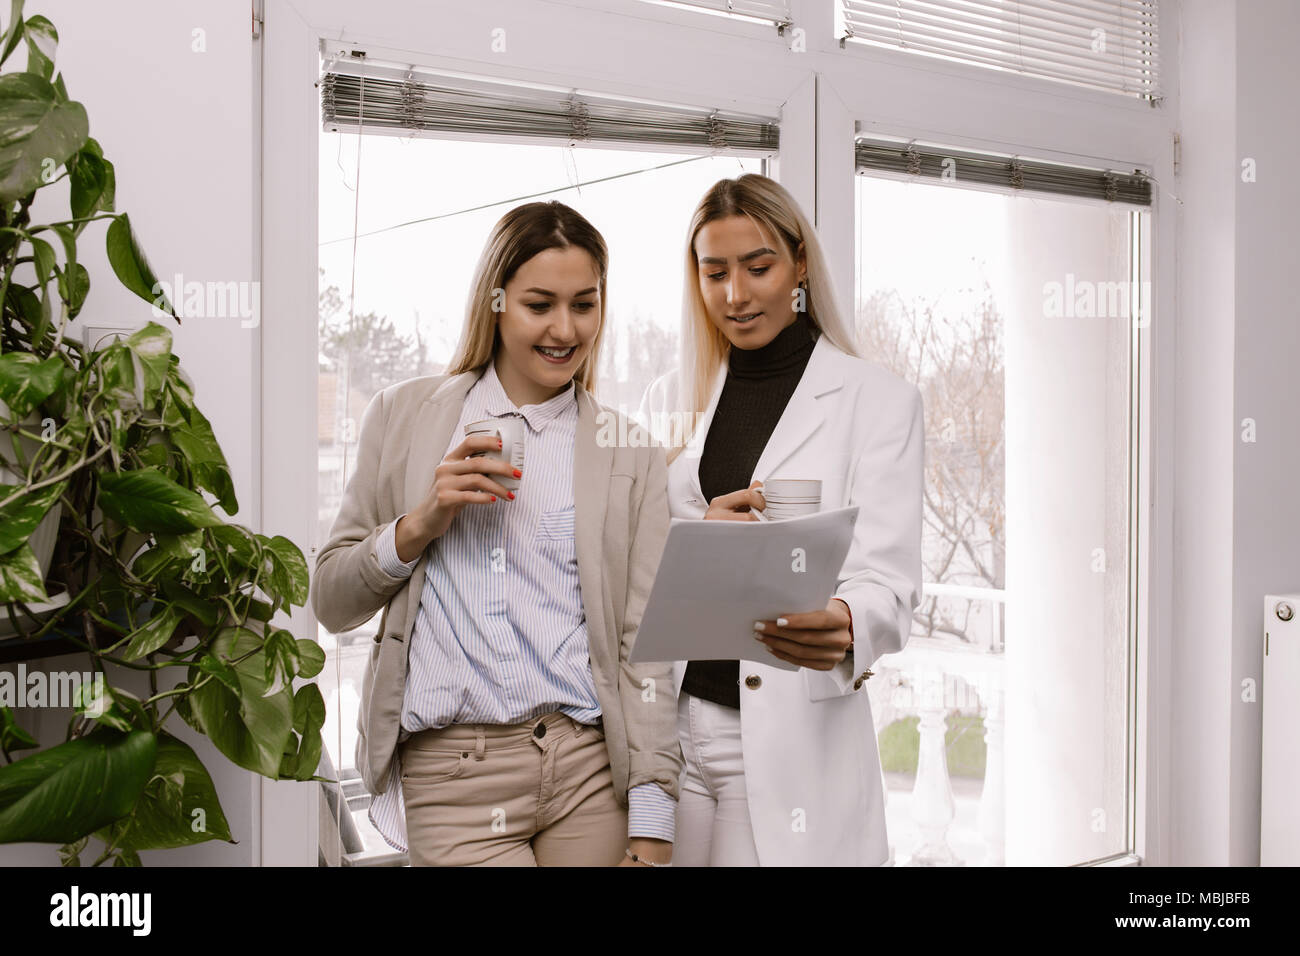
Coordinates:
[501,722]
[781,765]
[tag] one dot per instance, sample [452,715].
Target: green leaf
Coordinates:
[196,441]
[92,184]
[147,500]
[61,794]
[312,657]
[178,807]
[152,345]
[69,240]
[289,571]
[221,671]
[237,544]
[112,707]
[14,35]
[179,545]
[37,133]
[248,728]
[42,42]
[281,653]
[70,853]
[131,266]
[153,634]
[26,381]
[19,518]
[43,258]
[260,610]
[27,303]
[20,577]
[122,383]
[205,610]
[74,284]
[13,737]
[308,719]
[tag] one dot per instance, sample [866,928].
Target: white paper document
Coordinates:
[716,578]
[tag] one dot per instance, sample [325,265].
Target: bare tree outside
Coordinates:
[955,357]
[633,354]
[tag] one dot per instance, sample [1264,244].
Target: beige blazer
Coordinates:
[620,525]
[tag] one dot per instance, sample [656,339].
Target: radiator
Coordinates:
[1279,812]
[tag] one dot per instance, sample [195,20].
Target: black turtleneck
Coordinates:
[759,385]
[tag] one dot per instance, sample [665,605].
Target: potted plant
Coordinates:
[106,463]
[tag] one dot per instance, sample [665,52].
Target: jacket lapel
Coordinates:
[803,414]
[592,463]
[694,449]
[800,419]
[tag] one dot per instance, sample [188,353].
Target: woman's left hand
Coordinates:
[818,639]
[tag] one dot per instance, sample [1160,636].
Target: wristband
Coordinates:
[637,859]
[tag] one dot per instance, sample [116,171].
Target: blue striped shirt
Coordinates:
[500,634]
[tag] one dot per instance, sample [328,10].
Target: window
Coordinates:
[1004,724]
[423,208]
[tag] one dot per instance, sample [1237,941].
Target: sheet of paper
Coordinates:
[716,578]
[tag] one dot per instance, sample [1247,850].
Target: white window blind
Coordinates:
[964,167]
[377,97]
[774,11]
[1109,45]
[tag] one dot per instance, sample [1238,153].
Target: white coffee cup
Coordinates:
[791,497]
[511,430]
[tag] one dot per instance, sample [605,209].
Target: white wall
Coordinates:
[1266,506]
[1200,664]
[1237,518]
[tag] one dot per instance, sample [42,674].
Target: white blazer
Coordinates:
[812,770]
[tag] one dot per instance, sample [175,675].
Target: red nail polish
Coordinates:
[518,473]
[511,495]
[494,497]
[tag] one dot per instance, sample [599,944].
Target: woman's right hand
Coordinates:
[739,505]
[459,480]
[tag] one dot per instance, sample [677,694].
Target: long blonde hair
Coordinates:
[519,235]
[703,346]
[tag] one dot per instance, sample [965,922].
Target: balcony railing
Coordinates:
[918,681]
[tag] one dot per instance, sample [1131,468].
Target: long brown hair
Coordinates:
[519,235]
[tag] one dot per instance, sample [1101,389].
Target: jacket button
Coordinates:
[753,682]
[539,731]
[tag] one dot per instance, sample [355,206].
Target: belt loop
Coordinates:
[480,741]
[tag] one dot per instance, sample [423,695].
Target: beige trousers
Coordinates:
[532,794]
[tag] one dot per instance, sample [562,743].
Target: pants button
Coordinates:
[539,731]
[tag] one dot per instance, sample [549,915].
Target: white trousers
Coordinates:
[713,827]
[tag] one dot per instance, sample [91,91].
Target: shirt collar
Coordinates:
[495,402]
